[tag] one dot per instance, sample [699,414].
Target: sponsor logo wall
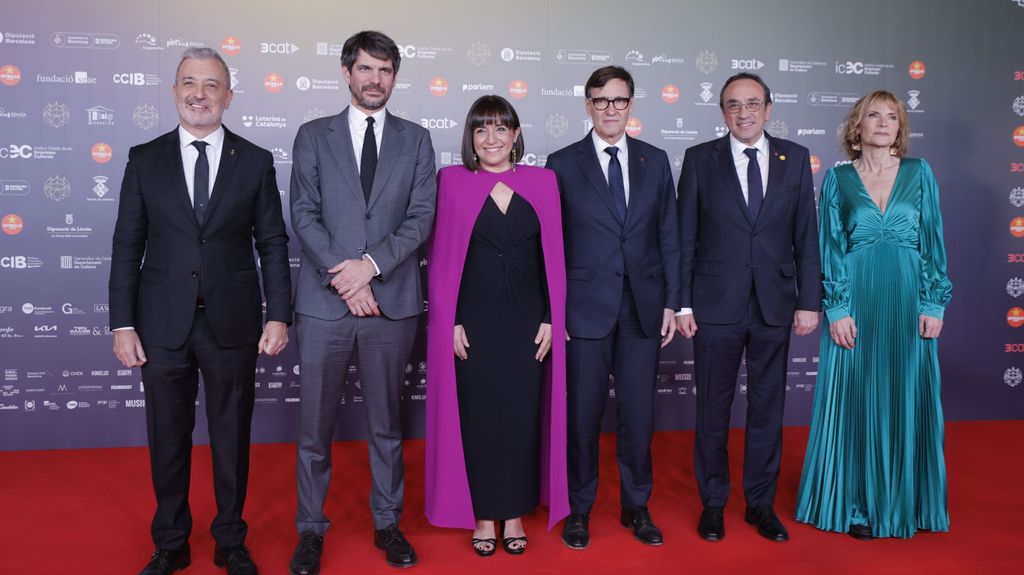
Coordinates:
[82,83]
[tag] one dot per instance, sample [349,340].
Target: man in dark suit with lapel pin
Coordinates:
[185,298]
[622,267]
[363,193]
[751,272]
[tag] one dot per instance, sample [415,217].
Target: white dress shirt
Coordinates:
[604,158]
[357,129]
[190,154]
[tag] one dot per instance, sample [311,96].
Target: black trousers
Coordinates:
[718,350]
[171,380]
[632,358]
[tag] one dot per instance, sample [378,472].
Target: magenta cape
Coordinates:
[460,196]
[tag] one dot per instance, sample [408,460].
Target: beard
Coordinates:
[365,101]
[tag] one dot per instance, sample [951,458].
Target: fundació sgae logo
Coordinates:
[1018,136]
[634,126]
[815,164]
[102,153]
[1017,227]
[231,45]
[1015,317]
[438,86]
[916,70]
[670,94]
[273,82]
[10,75]
[12,224]
[518,89]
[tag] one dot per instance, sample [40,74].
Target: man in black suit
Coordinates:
[185,298]
[622,267]
[750,272]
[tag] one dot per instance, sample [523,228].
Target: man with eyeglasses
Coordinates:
[622,267]
[750,273]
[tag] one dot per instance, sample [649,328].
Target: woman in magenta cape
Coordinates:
[462,195]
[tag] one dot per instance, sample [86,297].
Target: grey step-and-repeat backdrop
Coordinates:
[81,82]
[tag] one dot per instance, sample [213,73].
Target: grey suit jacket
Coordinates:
[334,222]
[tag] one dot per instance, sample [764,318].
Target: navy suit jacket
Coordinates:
[601,250]
[163,258]
[725,255]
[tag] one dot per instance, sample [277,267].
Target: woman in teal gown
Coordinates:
[874,465]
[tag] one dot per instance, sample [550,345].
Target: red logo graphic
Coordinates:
[273,82]
[101,153]
[815,164]
[634,126]
[1018,136]
[438,86]
[518,89]
[916,70]
[12,224]
[1018,75]
[231,45]
[670,94]
[10,75]
[1015,258]
[1016,167]
[1015,317]
[1017,227]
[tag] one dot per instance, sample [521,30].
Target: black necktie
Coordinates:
[615,184]
[201,181]
[755,189]
[368,160]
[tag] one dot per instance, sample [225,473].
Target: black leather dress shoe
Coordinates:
[711,526]
[768,524]
[166,561]
[576,531]
[860,532]
[236,559]
[644,530]
[306,557]
[397,549]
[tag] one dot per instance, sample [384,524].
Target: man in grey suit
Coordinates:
[363,191]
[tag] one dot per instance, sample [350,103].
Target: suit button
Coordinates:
[195,274]
[622,240]
[202,241]
[369,216]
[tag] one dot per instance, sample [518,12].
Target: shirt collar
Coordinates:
[215,139]
[357,117]
[600,145]
[738,147]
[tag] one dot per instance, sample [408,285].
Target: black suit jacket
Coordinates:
[601,250]
[725,254]
[163,259]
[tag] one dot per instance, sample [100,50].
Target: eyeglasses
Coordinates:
[602,103]
[735,107]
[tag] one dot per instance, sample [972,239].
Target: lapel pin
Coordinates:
[783,158]
[231,152]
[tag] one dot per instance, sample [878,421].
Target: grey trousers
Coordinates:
[326,348]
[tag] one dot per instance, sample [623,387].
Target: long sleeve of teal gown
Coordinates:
[875,450]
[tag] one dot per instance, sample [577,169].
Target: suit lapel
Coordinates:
[228,161]
[726,168]
[776,176]
[589,165]
[172,152]
[339,138]
[637,173]
[392,142]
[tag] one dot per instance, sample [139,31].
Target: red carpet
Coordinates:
[88,511]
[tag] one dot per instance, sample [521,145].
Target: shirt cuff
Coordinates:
[684,311]
[126,328]
[376,269]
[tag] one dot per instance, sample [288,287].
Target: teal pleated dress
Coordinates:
[875,451]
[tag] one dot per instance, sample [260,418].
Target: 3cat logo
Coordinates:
[815,164]
[231,46]
[12,224]
[1017,227]
[10,75]
[634,126]
[518,89]
[438,87]
[916,70]
[101,153]
[273,82]
[1018,136]
[670,94]
[1015,317]
[1016,167]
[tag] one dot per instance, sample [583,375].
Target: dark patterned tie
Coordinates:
[615,182]
[755,189]
[368,160]
[201,181]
